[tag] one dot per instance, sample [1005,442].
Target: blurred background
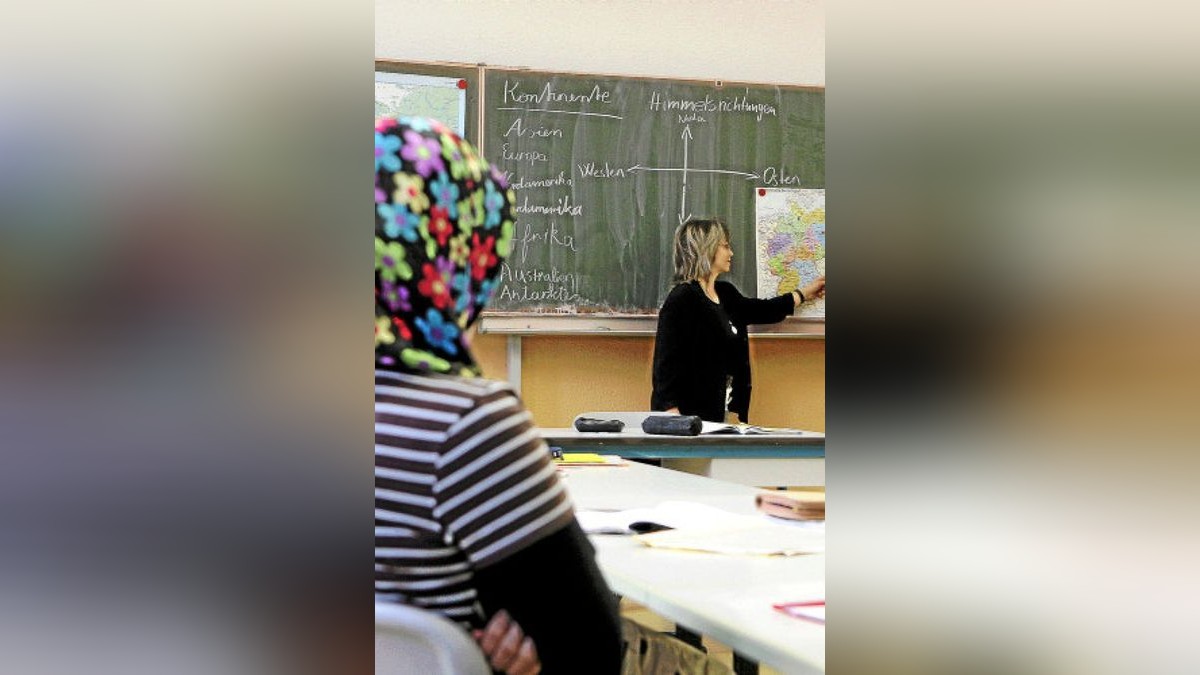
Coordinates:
[185,479]
[1012,366]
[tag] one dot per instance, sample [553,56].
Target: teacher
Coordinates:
[701,352]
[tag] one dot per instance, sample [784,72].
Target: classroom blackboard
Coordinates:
[605,168]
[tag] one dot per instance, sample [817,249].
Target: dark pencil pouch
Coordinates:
[672,425]
[590,424]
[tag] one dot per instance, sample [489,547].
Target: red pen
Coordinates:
[793,609]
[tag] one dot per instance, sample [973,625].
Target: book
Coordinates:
[761,538]
[588,459]
[667,515]
[792,505]
[745,429]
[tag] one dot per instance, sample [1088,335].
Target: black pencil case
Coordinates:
[672,425]
[590,424]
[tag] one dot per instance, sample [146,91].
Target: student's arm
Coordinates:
[500,501]
[554,590]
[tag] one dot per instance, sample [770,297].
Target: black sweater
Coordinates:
[693,351]
[572,616]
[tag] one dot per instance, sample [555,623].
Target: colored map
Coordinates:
[438,98]
[790,243]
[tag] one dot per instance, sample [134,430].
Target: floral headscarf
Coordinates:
[443,223]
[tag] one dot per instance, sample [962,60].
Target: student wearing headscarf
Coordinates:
[701,351]
[471,520]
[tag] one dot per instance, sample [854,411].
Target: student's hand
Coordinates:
[814,289]
[506,647]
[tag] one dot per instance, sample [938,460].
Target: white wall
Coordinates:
[772,41]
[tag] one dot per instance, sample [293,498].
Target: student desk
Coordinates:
[727,597]
[752,459]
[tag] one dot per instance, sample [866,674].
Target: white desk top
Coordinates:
[726,597]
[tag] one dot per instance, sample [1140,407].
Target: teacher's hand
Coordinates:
[814,289]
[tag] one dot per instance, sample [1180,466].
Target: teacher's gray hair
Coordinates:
[696,244]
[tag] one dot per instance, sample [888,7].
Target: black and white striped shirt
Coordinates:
[462,480]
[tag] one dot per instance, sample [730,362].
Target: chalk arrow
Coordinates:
[686,136]
[749,176]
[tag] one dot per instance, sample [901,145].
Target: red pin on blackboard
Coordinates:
[762,192]
[462,84]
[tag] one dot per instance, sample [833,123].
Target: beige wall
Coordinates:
[778,41]
[564,376]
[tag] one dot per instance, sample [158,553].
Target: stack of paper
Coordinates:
[760,539]
[667,515]
[699,527]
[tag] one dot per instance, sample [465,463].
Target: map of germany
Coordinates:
[790,243]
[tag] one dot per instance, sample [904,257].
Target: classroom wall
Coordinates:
[563,376]
[775,41]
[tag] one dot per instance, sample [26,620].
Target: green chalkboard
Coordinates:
[605,168]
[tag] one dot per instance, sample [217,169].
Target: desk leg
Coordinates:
[743,665]
[695,465]
[513,361]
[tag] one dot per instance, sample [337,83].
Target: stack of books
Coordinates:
[792,505]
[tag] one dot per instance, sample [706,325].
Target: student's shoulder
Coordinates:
[477,388]
[452,390]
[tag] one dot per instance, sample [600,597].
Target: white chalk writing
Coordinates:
[535,285]
[591,170]
[563,207]
[531,156]
[512,94]
[525,183]
[518,127]
[550,236]
[773,176]
[737,104]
